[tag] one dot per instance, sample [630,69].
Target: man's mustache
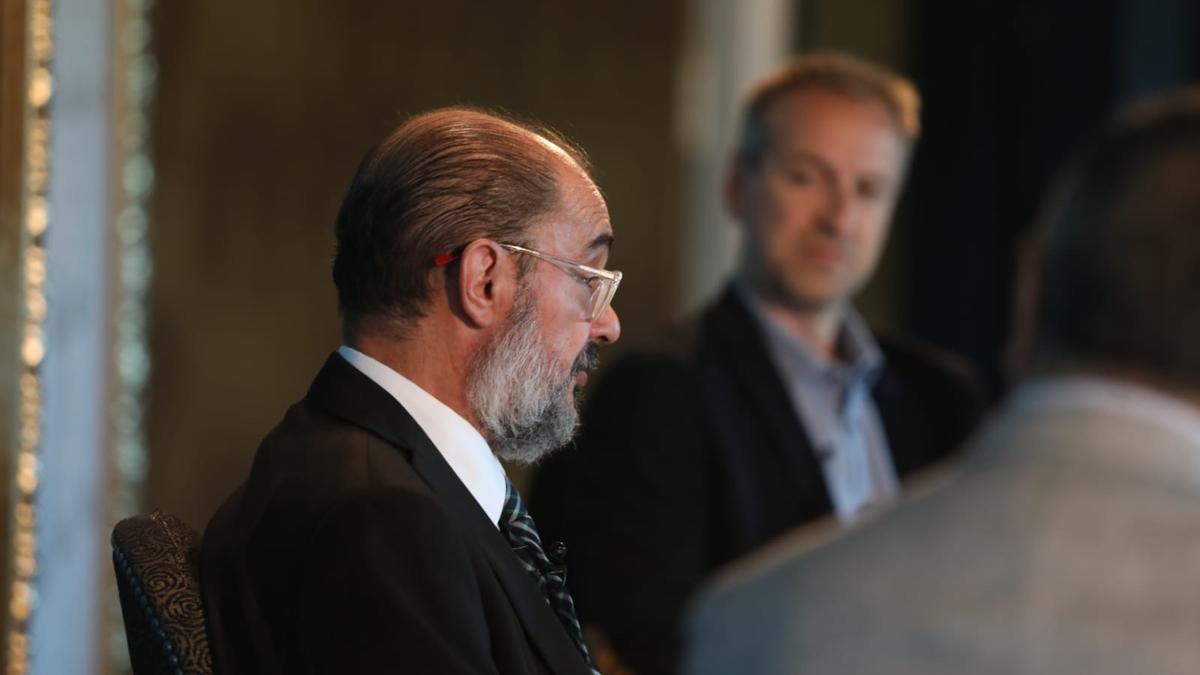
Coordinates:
[588,358]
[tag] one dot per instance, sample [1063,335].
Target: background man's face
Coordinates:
[816,209]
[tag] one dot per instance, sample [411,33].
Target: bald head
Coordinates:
[439,181]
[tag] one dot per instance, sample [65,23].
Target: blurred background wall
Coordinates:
[261,111]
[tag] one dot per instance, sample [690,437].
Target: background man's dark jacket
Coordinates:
[694,456]
[354,548]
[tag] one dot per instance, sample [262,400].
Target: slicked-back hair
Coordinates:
[833,72]
[441,180]
[1121,276]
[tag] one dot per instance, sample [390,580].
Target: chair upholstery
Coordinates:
[156,557]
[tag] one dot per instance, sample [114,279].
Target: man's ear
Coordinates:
[486,283]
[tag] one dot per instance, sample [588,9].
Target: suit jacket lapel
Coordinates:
[890,399]
[343,391]
[904,412]
[737,340]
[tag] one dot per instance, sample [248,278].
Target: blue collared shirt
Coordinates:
[834,404]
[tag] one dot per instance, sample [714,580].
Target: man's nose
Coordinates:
[607,328]
[836,210]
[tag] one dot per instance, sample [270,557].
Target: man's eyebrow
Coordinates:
[805,157]
[801,157]
[602,241]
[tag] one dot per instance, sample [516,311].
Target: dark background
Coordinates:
[1011,90]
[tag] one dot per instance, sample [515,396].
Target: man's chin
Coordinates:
[530,441]
[529,454]
[812,295]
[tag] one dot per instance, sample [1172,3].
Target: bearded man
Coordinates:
[377,530]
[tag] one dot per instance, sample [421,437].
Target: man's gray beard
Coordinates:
[521,403]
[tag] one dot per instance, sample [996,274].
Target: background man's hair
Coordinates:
[1121,274]
[833,72]
[441,180]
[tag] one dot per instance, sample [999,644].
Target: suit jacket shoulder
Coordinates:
[916,361]
[353,547]
[929,402]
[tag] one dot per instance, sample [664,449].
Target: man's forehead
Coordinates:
[815,110]
[576,237]
[599,237]
[841,129]
[581,224]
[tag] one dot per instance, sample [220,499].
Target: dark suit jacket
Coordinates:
[692,456]
[354,548]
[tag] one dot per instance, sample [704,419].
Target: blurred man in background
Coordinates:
[377,531]
[777,405]
[1070,543]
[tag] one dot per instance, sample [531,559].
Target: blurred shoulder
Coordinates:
[668,355]
[924,372]
[911,357]
[688,345]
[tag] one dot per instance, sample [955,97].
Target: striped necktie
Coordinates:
[551,578]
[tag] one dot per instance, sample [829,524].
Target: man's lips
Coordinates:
[826,253]
[581,378]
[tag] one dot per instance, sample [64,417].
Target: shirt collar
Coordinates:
[861,356]
[462,446]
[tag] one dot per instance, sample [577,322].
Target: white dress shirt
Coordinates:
[461,445]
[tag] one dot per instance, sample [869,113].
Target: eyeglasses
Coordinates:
[603,283]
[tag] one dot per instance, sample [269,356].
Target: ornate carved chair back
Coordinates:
[156,557]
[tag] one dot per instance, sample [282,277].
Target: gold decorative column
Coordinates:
[22,591]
